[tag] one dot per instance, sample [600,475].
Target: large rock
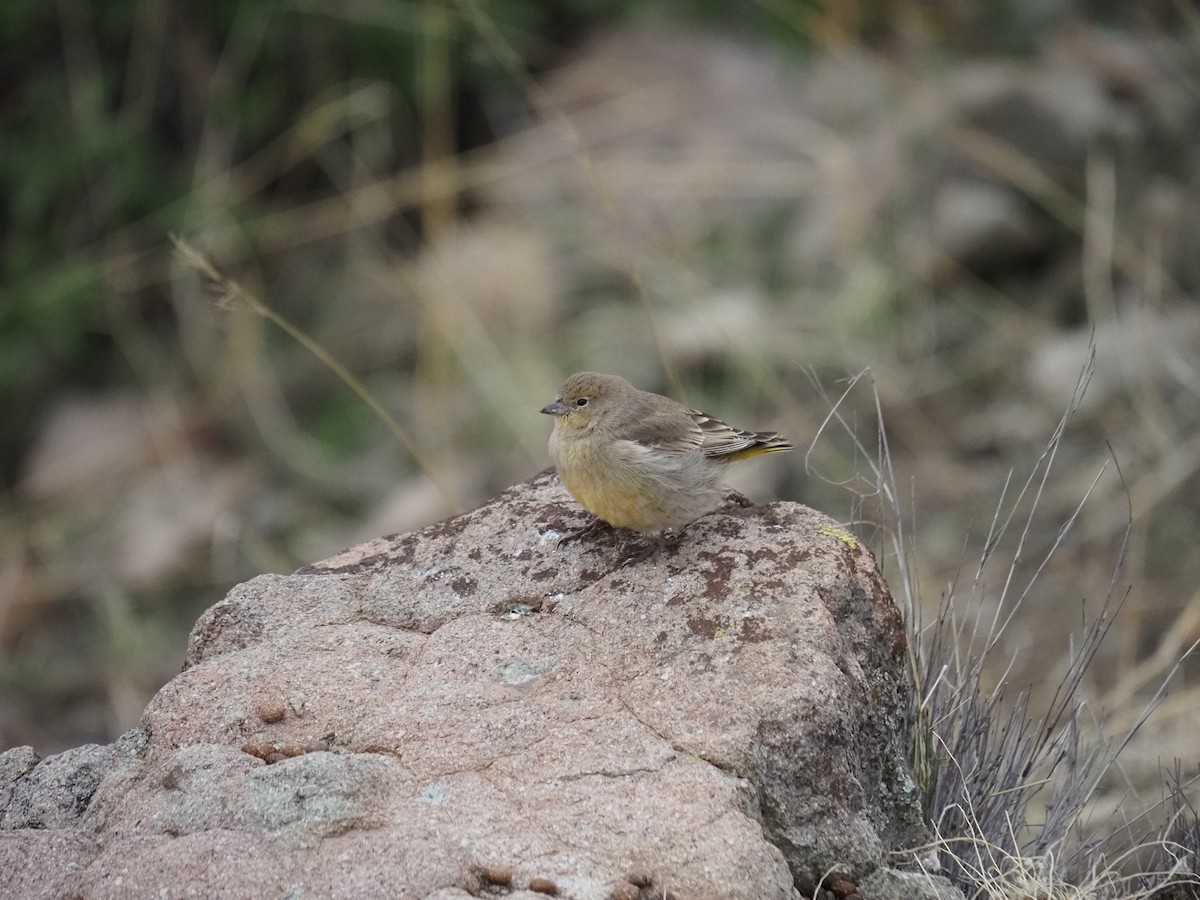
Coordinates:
[448,712]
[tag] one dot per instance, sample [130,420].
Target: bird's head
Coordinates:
[587,398]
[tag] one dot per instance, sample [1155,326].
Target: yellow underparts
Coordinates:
[615,488]
[623,508]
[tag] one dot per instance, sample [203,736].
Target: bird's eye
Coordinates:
[582,401]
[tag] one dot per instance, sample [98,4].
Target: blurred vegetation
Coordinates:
[462,202]
[118,117]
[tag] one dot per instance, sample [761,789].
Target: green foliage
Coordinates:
[112,114]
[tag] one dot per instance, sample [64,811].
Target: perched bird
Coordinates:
[640,460]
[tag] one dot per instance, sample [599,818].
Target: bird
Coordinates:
[642,461]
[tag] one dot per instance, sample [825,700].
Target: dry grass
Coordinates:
[1029,792]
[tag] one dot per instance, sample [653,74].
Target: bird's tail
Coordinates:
[763,442]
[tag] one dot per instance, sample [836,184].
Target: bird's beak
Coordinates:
[556,408]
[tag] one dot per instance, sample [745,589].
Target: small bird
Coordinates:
[640,460]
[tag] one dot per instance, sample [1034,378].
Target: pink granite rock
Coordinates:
[471,710]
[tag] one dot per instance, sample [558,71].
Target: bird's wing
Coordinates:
[719,439]
[673,429]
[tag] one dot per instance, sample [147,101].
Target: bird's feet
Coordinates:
[667,539]
[596,526]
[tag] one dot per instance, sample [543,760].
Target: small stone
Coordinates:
[544,886]
[516,607]
[498,874]
[842,887]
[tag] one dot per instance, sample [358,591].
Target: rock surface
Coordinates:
[471,710]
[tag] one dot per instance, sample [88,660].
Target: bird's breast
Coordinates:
[596,477]
[630,485]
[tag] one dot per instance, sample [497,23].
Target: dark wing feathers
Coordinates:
[682,430]
[724,442]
